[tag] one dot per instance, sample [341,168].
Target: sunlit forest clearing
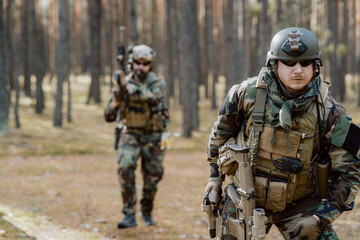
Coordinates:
[61,183]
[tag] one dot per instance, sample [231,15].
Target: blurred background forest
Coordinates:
[51,42]
[57,57]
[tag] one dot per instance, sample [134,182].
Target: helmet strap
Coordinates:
[274,67]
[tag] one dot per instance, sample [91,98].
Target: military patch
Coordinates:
[352,140]
[341,131]
[287,48]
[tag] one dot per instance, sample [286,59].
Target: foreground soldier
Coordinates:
[303,147]
[139,100]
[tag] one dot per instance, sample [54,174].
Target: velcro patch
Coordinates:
[352,141]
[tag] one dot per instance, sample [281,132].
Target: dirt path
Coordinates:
[78,197]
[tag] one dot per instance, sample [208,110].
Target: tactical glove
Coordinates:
[308,228]
[116,97]
[213,189]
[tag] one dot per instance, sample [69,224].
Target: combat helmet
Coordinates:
[294,43]
[141,52]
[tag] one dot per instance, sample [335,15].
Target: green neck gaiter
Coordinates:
[283,107]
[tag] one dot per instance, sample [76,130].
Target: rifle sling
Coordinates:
[257,117]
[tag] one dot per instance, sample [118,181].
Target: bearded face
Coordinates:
[141,74]
[141,68]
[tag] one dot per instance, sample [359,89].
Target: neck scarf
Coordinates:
[283,108]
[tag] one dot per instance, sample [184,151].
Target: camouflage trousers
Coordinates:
[131,148]
[285,221]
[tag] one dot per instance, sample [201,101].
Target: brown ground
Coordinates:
[82,193]
[69,176]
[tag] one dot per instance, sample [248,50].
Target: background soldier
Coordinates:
[303,133]
[139,100]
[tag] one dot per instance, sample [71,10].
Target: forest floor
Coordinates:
[61,183]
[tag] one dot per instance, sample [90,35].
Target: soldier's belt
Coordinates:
[141,131]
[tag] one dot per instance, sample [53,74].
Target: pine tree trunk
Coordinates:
[26,62]
[332,23]
[95,24]
[188,63]
[170,52]
[230,48]
[4,89]
[61,60]
[211,57]
[36,67]
[9,49]
[133,28]
[247,38]
[342,68]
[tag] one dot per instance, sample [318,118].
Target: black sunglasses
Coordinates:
[140,63]
[291,63]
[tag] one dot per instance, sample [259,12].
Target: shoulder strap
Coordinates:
[257,117]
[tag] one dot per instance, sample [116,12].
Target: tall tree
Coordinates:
[171,47]
[230,48]
[9,44]
[265,32]
[278,11]
[332,40]
[95,25]
[188,63]
[109,37]
[4,88]
[246,37]
[26,56]
[61,59]
[342,50]
[211,56]
[53,33]
[37,61]
[133,28]
[203,67]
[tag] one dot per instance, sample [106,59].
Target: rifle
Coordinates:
[121,53]
[119,79]
[249,223]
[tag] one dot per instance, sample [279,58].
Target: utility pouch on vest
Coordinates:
[276,198]
[226,161]
[271,189]
[261,182]
[322,178]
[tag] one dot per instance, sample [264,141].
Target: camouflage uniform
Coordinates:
[234,114]
[145,117]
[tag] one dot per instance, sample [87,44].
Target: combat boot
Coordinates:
[128,221]
[147,219]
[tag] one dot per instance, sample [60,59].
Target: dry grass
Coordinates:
[69,176]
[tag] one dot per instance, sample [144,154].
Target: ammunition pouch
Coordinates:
[322,173]
[271,189]
[226,162]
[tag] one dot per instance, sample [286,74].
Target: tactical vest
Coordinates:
[144,116]
[274,187]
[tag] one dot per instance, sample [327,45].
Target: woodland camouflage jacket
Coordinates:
[143,107]
[237,108]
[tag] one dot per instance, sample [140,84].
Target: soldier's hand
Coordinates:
[308,228]
[116,96]
[213,189]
